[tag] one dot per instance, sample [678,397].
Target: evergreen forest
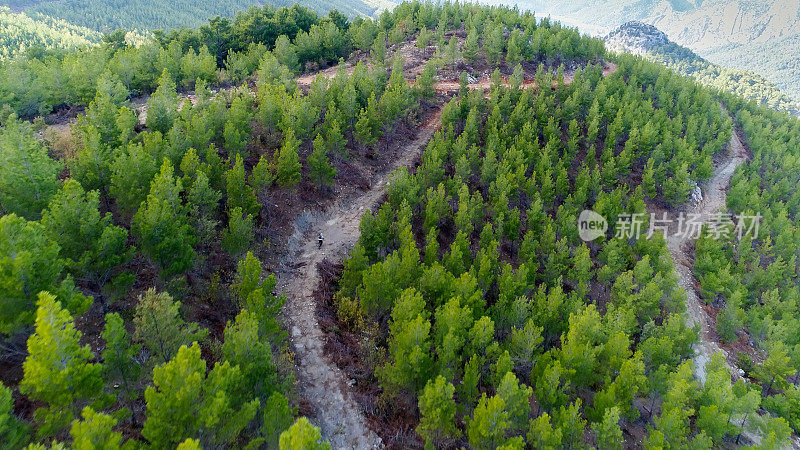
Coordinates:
[163,284]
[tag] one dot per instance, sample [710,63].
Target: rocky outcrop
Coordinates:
[636,37]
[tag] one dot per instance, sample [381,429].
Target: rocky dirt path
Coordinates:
[680,247]
[321,382]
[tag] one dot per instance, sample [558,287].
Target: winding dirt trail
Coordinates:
[680,247]
[321,382]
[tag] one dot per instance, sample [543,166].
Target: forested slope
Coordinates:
[71,24]
[136,259]
[34,84]
[759,36]
[143,240]
[19,32]
[108,15]
[648,41]
[492,323]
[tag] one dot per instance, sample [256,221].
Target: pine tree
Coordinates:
[493,44]
[126,125]
[239,194]
[487,427]
[202,201]
[438,411]
[552,386]
[237,127]
[299,115]
[28,176]
[29,264]
[348,103]
[119,357]
[775,368]
[516,47]
[288,166]
[271,71]
[409,345]
[423,38]
[676,188]
[95,432]
[286,53]
[451,52]
[91,244]
[162,106]
[133,170]
[189,444]
[57,369]
[162,226]
[334,139]
[235,139]
[92,163]
[261,177]
[516,397]
[256,295]
[542,434]
[368,125]
[569,420]
[378,50]
[648,179]
[184,402]
[160,327]
[13,431]
[246,348]
[200,65]
[303,436]
[471,45]
[677,408]
[608,432]
[320,170]
[238,236]
[424,84]
[277,418]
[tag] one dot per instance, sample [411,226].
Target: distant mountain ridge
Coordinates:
[762,36]
[648,41]
[108,15]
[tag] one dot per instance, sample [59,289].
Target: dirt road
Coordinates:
[679,245]
[320,381]
[713,201]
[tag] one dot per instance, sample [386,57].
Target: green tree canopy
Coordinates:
[184,402]
[28,176]
[58,370]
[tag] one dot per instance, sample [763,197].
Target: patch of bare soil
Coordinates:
[484,83]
